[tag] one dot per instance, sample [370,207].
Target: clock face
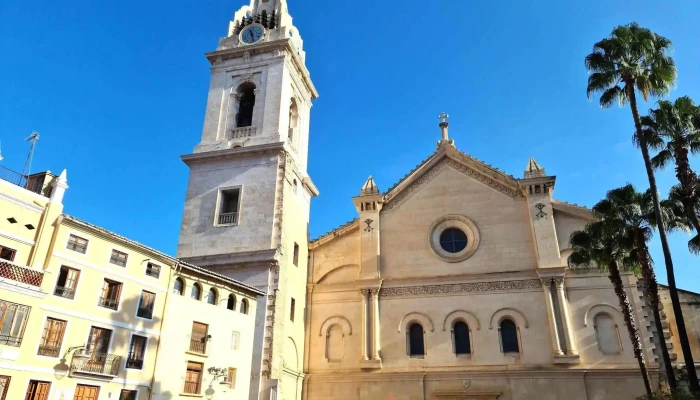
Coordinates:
[252,34]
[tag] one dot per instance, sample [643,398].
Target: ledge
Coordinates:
[194,353]
[567,359]
[371,364]
[467,394]
[191,395]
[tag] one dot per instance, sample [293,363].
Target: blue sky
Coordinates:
[117,91]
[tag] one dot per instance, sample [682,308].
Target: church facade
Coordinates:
[452,284]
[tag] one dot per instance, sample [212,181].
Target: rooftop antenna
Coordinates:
[33,138]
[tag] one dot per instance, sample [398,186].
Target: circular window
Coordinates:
[453,238]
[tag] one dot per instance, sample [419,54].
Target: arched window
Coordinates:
[179,286]
[460,336]
[231,303]
[244,306]
[509,337]
[606,334]
[416,345]
[293,119]
[246,103]
[196,292]
[335,346]
[211,296]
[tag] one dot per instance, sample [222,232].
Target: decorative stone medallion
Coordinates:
[453,221]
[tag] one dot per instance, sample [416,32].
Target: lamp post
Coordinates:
[217,373]
[61,369]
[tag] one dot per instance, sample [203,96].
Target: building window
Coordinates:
[52,337]
[231,303]
[67,283]
[137,350]
[211,296]
[295,187]
[295,260]
[606,334]
[13,320]
[416,340]
[509,337]
[76,243]
[232,378]
[4,386]
[85,392]
[461,339]
[37,390]
[118,258]
[153,270]
[235,339]
[291,311]
[196,292]
[127,394]
[293,120]
[146,305]
[453,240]
[244,306]
[111,292]
[7,253]
[246,104]
[179,286]
[229,202]
[199,337]
[98,343]
[335,343]
[193,377]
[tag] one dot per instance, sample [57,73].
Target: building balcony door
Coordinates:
[98,346]
[38,390]
[84,392]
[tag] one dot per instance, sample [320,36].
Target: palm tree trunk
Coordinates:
[653,294]
[671,276]
[688,179]
[627,312]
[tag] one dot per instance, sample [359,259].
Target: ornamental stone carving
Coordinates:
[462,287]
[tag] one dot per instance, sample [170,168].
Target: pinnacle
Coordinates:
[369,187]
[533,169]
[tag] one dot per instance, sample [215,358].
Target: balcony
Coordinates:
[134,363]
[242,133]
[18,273]
[66,293]
[38,183]
[100,364]
[145,312]
[49,351]
[198,344]
[228,218]
[107,302]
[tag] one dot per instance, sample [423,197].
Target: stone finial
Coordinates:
[533,169]
[369,187]
[60,185]
[444,125]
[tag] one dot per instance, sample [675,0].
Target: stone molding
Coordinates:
[336,320]
[601,307]
[509,312]
[454,221]
[461,315]
[462,288]
[417,316]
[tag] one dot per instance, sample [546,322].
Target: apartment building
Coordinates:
[86,314]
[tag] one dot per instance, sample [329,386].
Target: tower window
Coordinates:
[229,202]
[295,260]
[291,313]
[246,103]
[293,120]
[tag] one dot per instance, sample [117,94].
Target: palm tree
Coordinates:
[635,59]
[674,129]
[634,214]
[604,244]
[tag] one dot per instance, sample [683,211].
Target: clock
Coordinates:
[252,34]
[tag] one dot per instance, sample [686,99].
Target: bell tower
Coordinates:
[248,196]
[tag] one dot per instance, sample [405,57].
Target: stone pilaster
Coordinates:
[375,324]
[368,205]
[365,325]
[552,314]
[537,188]
[565,317]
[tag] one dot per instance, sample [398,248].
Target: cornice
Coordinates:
[450,288]
[261,257]
[24,204]
[573,210]
[346,228]
[195,158]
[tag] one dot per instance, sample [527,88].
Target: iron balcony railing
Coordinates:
[100,363]
[145,312]
[107,302]
[49,351]
[198,344]
[33,183]
[64,292]
[18,273]
[10,340]
[228,218]
[134,363]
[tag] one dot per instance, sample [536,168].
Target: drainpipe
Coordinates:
[162,321]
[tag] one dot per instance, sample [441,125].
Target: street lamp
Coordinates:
[218,373]
[61,369]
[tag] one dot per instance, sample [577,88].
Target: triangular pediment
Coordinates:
[447,156]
